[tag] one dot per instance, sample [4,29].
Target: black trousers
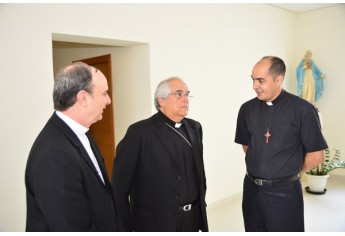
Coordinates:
[273,208]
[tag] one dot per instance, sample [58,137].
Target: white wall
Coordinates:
[323,33]
[212,46]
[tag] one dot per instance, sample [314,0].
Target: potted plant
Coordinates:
[317,177]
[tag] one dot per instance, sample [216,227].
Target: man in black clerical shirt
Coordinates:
[159,178]
[281,136]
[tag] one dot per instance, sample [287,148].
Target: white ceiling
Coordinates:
[302,7]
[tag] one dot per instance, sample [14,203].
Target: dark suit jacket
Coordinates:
[63,189]
[146,171]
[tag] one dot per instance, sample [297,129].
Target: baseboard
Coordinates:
[215,205]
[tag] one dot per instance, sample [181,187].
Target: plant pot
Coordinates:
[317,183]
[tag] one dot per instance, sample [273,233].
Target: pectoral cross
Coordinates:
[267,135]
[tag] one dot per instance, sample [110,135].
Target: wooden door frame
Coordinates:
[94,61]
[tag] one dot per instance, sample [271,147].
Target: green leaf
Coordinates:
[331,162]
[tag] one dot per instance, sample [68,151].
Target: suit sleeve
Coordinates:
[202,153]
[242,135]
[58,187]
[127,155]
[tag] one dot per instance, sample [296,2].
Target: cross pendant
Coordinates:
[267,135]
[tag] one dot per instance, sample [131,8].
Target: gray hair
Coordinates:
[277,65]
[163,89]
[69,81]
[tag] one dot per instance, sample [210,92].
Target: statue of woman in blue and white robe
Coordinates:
[310,79]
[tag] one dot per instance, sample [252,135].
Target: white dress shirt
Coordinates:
[80,131]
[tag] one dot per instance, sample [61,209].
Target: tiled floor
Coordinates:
[323,213]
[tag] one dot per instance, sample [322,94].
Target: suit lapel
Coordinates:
[194,139]
[99,157]
[190,133]
[76,142]
[164,136]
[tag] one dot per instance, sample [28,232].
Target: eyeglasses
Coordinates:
[180,94]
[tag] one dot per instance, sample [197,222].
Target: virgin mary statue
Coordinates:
[309,79]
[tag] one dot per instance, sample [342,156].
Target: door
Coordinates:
[103,130]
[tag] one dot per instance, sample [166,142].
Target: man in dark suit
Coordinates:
[67,186]
[159,177]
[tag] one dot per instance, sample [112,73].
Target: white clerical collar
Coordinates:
[178,125]
[277,99]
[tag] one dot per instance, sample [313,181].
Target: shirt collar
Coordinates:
[277,99]
[169,121]
[77,128]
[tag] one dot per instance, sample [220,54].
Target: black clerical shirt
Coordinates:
[294,127]
[188,175]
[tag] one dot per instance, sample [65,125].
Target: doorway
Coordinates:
[130,77]
[103,131]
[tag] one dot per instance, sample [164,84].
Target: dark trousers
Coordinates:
[189,221]
[273,208]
